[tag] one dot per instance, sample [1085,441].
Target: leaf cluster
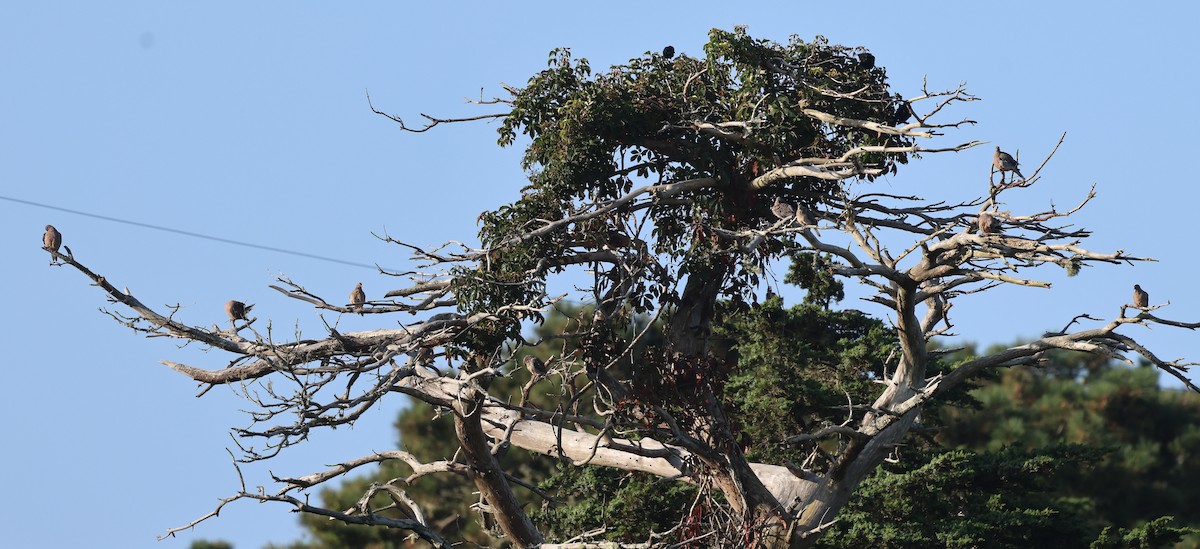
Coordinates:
[731,116]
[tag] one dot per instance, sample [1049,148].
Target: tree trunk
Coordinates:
[489,477]
[764,521]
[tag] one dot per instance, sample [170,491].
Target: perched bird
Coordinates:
[1141,299]
[357,298]
[237,310]
[1004,162]
[782,210]
[804,217]
[988,224]
[866,60]
[536,367]
[440,317]
[668,52]
[1073,265]
[903,112]
[52,240]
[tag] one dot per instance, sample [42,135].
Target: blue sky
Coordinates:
[249,122]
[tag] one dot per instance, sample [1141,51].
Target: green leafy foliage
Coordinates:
[1150,434]
[795,368]
[592,137]
[627,505]
[811,272]
[1079,452]
[966,499]
[210,544]
[1156,533]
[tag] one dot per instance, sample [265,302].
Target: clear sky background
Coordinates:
[248,121]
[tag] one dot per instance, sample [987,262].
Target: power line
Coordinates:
[191,234]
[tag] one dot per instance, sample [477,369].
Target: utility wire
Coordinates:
[189,233]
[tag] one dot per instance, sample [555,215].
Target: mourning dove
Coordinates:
[669,52]
[987,223]
[536,367]
[52,240]
[357,298]
[1141,299]
[804,217]
[1004,162]
[782,210]
[237,310]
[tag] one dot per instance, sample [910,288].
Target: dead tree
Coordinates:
[669,209]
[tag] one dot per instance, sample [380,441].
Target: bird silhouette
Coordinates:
[903,112]
[866,60]
[804,217]
[237,310]
[357,298]
[987,223]
[782,209]
[52,240]
[668,52]
[1141,299]
[536,367]
[1004,162]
